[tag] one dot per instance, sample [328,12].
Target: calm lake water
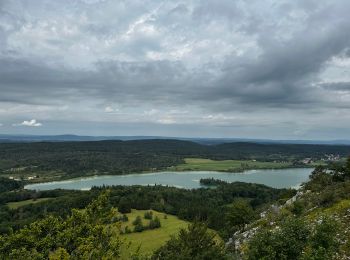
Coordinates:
[282,178]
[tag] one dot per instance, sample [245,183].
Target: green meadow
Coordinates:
[17,204]
[149,240]
[199,164]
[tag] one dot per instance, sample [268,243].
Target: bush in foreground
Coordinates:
[85,234]
[195,243]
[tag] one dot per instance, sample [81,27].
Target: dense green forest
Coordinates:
[21,226]
[94,233]
[72,159]
[203,204]
[8,184]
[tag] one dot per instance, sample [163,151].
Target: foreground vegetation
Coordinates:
[205,204]
[85,234]
[149,240]
[314,224]
[194,243]
[94,233]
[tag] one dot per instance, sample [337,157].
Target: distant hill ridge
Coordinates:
[5,138]
[137,155]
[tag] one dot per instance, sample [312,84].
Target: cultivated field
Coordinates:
[198,164]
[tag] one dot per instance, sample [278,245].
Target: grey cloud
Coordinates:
[217,57]
[24,82]
[283,74]
[336,86]
[209,9]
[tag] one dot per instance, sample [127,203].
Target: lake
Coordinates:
[277,178]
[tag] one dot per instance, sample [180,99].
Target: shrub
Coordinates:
[298,208]
[195,242]
[287,242]
[139,228]
[154,223]
[148,215]
[137,221]
[124,218]
[127,230]
[138,224]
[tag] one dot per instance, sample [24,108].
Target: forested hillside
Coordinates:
[76,223]
[314,224]
[71,159]
[204,204]
[95,233]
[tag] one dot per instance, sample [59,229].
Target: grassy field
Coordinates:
[15,205]
[150,240]
[198,164]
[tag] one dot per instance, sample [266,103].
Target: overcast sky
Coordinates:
[218,68]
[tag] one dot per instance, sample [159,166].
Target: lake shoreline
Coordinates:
[65,177]
[181,179]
